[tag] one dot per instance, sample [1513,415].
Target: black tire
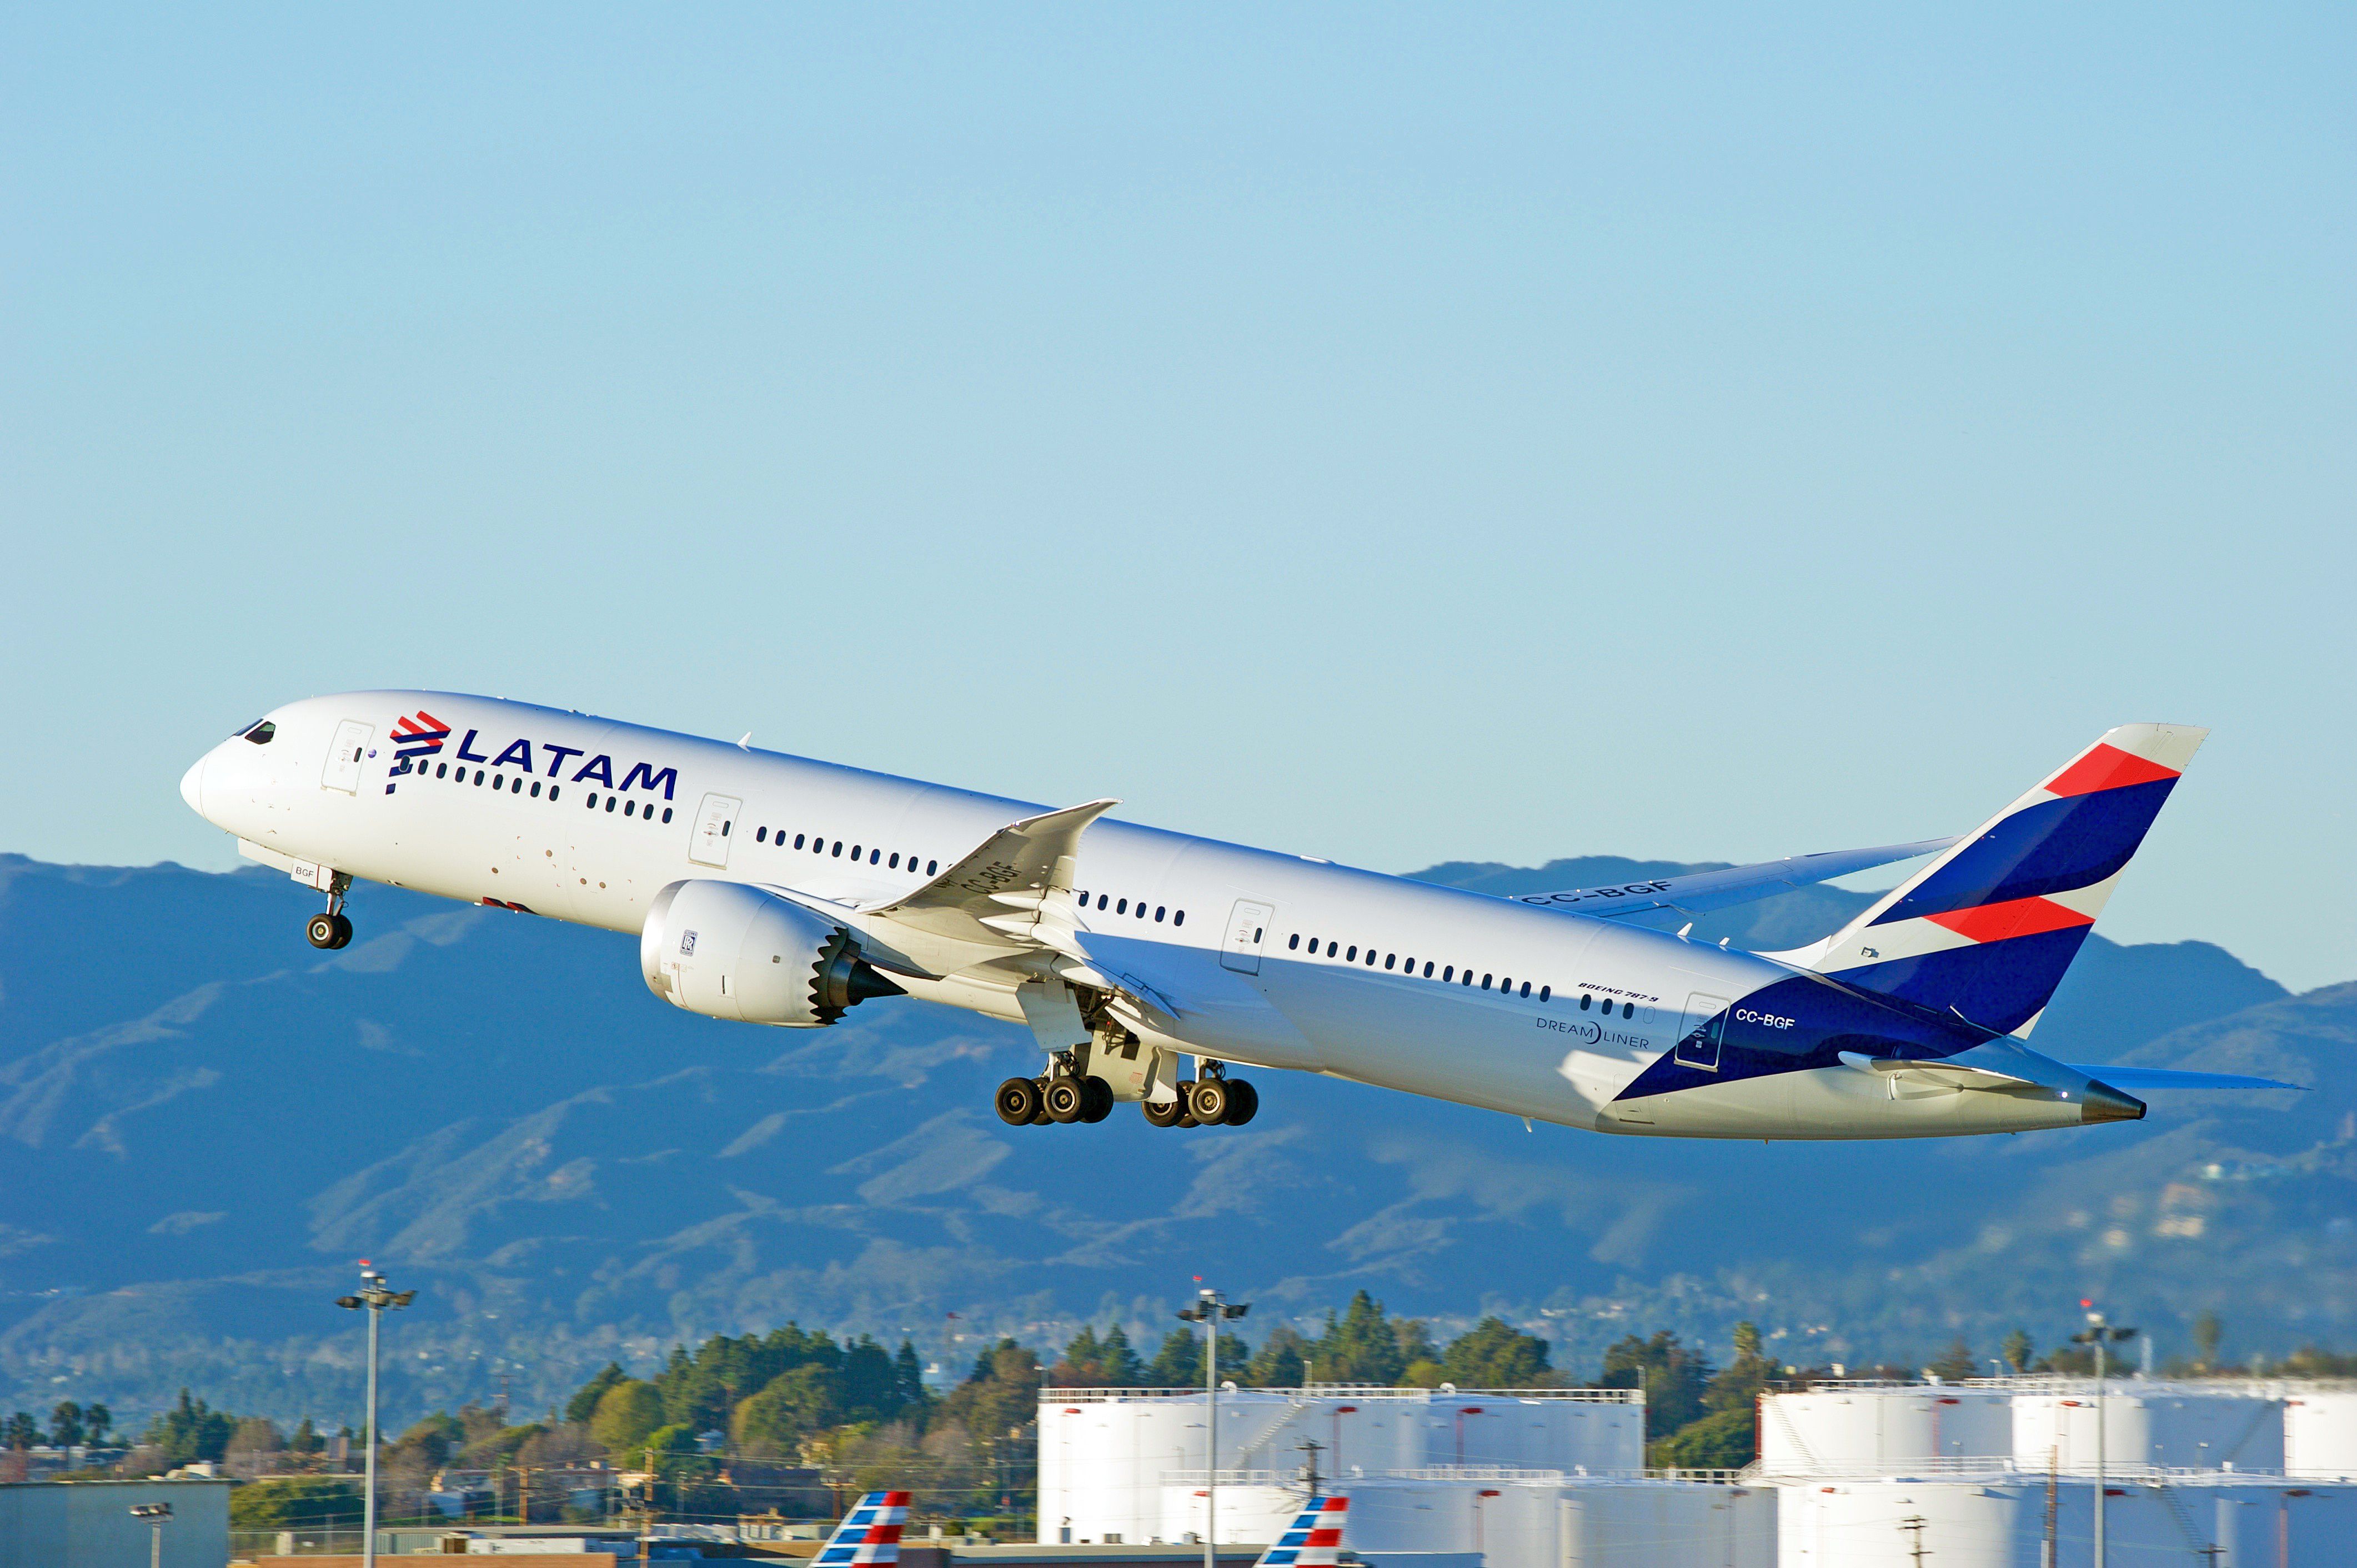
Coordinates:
[321,930]
[1244,1103]
[343,931]
[1065,1100]
[1210,1102]
[1098,1097]
[1161,1113]
[1018,1102]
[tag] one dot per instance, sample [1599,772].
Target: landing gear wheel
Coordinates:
[1161,1113]
[1097,1100]
[1018,1102]
[1244,1103]
[326,930]
[1186,1118]
[1065,1100]
[1210,1101]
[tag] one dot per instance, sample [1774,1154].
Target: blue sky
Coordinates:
[1392,434]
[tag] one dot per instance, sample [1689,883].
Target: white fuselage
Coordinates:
[585,820]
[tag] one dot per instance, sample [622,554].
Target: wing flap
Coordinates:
[2137,1078]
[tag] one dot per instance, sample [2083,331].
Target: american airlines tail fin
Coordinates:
[869,1533]
[1314,1538]
[1986,931]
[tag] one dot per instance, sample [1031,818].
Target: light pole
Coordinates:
[2100,1335]
[154,1514]
[1211,1309]
[374,1296]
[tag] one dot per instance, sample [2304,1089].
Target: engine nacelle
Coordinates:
[728,950]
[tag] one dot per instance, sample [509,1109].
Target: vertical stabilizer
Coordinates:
[869,1533]
[1314,1538]
[1985,932]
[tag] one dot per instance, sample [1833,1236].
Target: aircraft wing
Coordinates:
[2133,1078]
[1955,1075]
[1707,890]
[1011,896]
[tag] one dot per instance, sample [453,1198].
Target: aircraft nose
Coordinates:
[192,785]
[2101,1102]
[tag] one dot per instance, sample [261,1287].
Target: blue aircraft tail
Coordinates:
[1986,931]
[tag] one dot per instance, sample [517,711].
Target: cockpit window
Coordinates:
[261,734]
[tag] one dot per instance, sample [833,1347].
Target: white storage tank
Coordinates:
[2171,1425]
[1999,1520]
[2320,1432]
[1845,1430]
[1536,1521]
[1106,1454]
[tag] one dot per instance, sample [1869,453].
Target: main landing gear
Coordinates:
[1056,1096]
[331,929]
[1215,1099]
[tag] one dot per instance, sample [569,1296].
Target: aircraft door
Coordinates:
[343,770]
[1247,929]
[714,819]
[1699,1036]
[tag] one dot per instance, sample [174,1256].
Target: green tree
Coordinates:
[1362,1346]
[1178,1364]
[909,1377]
[1955,1363]
[21,1431]
[1278,1364]
[1001,1397]
[2019,1349]
[295,1502]
[795,1405]
[191,1429]
[1723,1440]
[65,1424]
[1671,1375]
[98,1425]
[307,1440]
[584,1404]
[626,1413]
[1122,1368]
[1494,1355]
[2208,1334]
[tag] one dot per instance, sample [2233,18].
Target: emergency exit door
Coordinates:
[343,771]
[714,820]
[1247,929]
[1698,1034]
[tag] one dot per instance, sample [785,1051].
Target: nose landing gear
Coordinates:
[331,929]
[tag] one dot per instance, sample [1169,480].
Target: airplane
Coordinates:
[768,889]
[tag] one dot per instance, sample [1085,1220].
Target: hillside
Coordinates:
[203,1123]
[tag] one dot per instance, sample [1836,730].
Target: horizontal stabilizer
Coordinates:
[2136,1079]
[1708,890]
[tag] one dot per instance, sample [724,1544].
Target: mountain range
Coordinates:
[204,1122]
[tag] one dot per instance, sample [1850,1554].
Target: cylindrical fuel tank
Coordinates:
[1845,1430]
[2320,1434]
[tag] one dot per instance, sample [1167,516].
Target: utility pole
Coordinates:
[1310,1445]
[2101,1335]
[1913,1525]
[374,1297]
[154,1514]
[1211,1309]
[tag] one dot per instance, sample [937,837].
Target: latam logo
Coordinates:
[520,756]
[420,736]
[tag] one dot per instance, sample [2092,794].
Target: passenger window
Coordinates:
[838,851]
[441,770]
[933,868]
[1584,1000]
[874,855]
[1388,958]
[535,789]
[723,827]
[666,809]
[1448,974]
[1543,991]
[1353,954]
[1122,907]
[1296,943]
[497,782]
[1526,988]
[1485,981]
[798,841]
[760,835]
[478,778]
[1141,908]
[1627,1009]
[551,795]
[855,852]
[629,807]
[1331,947]
[894,864]
[593,799]
[1157,914]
